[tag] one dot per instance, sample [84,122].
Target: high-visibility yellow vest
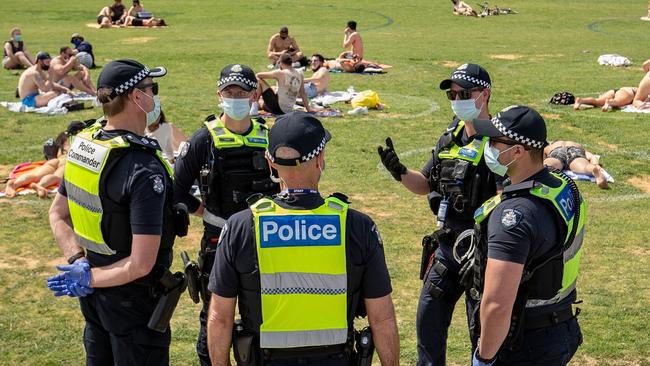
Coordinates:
[225,139]
[562,200]
[86,161]
[302,264]
[472,152]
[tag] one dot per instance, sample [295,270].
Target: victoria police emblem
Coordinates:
[158,184]
[510,218]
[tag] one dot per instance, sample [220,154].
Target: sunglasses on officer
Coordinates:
[508,142]
[463,94]
[153,86]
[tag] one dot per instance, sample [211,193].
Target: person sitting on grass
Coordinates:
[352,40]
[83,50]
[462,8]
[136,8]
[50,173]
[613,98]
[317,84]
[66,62]
[289,85]
[570,155]
[111,15]
[281,43]
[36,79]
[15,52]
[642,97]
[169,137]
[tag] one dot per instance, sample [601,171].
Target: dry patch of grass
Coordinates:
[138,40]
[507,56]
[642,183]
[447,63]
[551,115]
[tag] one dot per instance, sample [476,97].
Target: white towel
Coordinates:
[632,109]
[614,60]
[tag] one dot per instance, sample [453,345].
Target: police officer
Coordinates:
[529,249]
[113,220]
[302,267]
[457,181]
[226,157]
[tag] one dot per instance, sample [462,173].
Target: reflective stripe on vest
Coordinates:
[86,161]
[302,264]
[562,199]
[471,152]
[225,139]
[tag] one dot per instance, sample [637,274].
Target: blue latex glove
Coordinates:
[73,282]
[476,362]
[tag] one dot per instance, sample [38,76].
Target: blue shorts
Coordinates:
[311,90]
[30,100]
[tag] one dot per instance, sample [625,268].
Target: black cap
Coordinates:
[517,122]
[237,74]
[42,55]
[468,76]
[284,30]
[299,131]
[75,35]
[123,75]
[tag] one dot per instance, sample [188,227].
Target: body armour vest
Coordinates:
[238,169]
[302,263]
[553,277]
[102,226]
[461,175]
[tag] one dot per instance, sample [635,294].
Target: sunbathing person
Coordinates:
[169,137]
[352,39]
[317,84]
[65,62]
[50,173]
[281,43]
[290,85]
[570,155]
[345,64]
[613,98]
[15,52]
[642,97]
[135,9]
[36,79]
[111,15]
[462,8]
[149,22]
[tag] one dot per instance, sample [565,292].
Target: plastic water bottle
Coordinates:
[442,213]
[350,89]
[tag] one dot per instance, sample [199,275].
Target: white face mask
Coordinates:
[466,109]
[236,109]
[492,159]
[152,116]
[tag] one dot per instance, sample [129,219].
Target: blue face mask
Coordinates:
[76,42]
[492,159]
[18,37]
[236,109]
[152,116]
[466,109]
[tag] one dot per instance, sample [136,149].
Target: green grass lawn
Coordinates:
[551,46]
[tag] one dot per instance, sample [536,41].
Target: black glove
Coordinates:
[391,161]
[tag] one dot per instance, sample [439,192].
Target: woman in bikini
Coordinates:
[613,98]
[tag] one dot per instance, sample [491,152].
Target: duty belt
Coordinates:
[535,321]
[304,352]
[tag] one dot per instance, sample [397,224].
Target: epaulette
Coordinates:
[340,196]
[523,186]
[142,141]
[260,120]
[250,201]
[211,117]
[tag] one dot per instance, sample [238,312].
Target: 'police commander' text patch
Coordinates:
[299,231]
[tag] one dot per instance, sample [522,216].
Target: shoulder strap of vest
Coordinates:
[340,196]
[211,117]
[520,187]
[263,204]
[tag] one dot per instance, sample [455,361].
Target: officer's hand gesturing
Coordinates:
[73,282]
[390,160]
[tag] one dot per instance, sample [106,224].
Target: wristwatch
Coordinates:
[75,257]
[483,360]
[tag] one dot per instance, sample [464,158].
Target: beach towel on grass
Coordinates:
[321,113]
[632,109]
[24,168]
[614,60]
[54,106]
[587,177]
[330,98]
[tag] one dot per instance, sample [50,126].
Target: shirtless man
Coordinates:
[613,98]
[352,40]
[317,84]
[347,65]
[15,53]
[641,99]
[280,43]
[110,15]
[290,84]
[563,155]
[36,78]
[462,8]
[65,62]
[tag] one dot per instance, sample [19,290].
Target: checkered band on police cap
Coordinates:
[299,131]
[471,79]
[237,74]
[237,78]
[496,122]
[133,81]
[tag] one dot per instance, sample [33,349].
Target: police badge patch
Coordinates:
[158,184]
[510,218]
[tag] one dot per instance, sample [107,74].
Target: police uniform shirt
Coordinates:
[525,229]
[236,256]
[455,220]
[135,183]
